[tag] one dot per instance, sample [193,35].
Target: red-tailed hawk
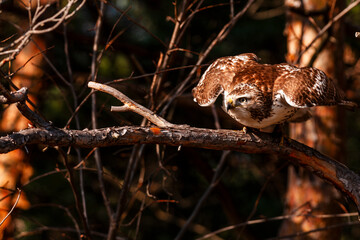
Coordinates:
[263,95]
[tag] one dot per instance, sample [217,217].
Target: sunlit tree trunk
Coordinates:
[15,170]
[325,131]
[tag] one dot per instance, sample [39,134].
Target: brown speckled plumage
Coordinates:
[262,95]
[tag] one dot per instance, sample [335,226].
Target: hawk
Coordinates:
[263,95]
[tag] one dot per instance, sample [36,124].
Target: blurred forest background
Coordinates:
[154,52]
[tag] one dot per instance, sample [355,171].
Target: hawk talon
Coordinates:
[244,130]
[281,144]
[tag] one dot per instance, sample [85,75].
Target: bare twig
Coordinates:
[280,218]
[13,207]
[61,230]
[129,174]
[185,24]
[304,233]
[70,73]
[39,27]
[131,105]
[70,84]
[77,109]
[220,37]
[77,196]
[67,212]
[135,22]
[27,61]
[216,117]
[111,40]
[94,67]
[139,218]
[231,9]
[213,183]
[134,159]
[157,72]
[328,25]
[57,72]
[257,201]
[182,21]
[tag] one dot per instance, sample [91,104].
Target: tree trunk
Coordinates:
[14,168]
[325,131]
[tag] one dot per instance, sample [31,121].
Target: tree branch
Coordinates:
[39,26]
[328,169]
[13,97]
[130,105]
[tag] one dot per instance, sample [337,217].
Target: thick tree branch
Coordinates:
[254,142]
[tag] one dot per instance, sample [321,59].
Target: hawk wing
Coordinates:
[218,77]
[308,87]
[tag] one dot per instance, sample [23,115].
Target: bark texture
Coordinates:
[328,169]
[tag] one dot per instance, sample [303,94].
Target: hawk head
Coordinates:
[247,104]
[244,99]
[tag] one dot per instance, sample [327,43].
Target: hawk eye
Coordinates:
[242,100]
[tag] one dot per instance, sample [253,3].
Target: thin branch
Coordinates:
[187,21]
[212,185]
[43,26]
[13,207]
[77,196]
[67,212]
[131,105]
[231,9]
[93,75]
[142,207]
[181,24]
[216,117]
[152,74]
[135,22]
[129,174]
[220,37]
[77,109]
[328,25]
[257,201]
[60,230]
[279,218]
[27,61]
[304,233]
[70,73]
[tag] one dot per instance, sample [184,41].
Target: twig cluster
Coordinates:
[38,26]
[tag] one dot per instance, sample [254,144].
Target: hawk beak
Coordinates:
[230,104]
